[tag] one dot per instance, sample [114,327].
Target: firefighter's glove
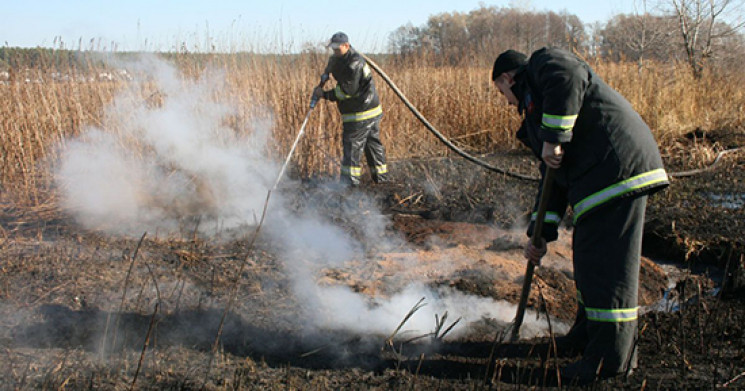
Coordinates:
[534,254]
[318,93]
[324,79]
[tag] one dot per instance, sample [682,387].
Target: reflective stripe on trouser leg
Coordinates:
[375,152]
[351,171]
[607,248]
[354,138]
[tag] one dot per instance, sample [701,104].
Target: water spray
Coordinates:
[313,101]
[234,289]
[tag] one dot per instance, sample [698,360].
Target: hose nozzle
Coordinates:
[314,99]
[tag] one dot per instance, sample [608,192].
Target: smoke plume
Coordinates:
[159,160]
[164,159]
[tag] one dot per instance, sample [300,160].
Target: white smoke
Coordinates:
[341,308]
[159,161]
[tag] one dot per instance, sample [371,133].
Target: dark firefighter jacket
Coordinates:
[355,93]
[609,152]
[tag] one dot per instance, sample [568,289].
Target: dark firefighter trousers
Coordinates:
[356,138]
[607,250]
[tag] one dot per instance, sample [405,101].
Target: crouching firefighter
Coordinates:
[360,109]
[606,163]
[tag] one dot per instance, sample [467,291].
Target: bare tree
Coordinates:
[639,37]
[731,54]
[564,30]
[702,25]
[476,36]
[405,39]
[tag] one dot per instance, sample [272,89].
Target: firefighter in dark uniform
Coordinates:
[606,163]
[360,109]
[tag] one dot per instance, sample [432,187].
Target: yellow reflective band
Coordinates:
[381,169]
[340,95]
[357,117]
[579,297]
[559,122]
[612,316]
[637,182]
[351,170]
[551,217]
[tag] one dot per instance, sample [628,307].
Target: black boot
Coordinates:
[584,372]
[575,340]
[380,178]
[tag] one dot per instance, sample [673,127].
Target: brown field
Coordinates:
[205,306]
[461,102]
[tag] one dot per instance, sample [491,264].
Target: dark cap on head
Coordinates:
[338,39]
[508,61]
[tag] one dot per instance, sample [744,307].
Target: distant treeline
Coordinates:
[695,35]
[83,60]
[18,58]
[14,58]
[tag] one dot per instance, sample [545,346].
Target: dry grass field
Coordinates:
[40,113]
[123,266]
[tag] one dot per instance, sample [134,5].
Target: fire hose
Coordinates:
[490,167]
[439,135]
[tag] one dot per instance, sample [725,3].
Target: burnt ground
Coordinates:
[81,309]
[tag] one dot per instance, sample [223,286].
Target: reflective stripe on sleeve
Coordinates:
[563,123]
[637,182]
[361,116]
[340,95]
[612,315]
[550,217]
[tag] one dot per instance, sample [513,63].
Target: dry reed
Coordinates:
[38,116]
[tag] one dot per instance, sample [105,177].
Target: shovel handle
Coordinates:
[548,178]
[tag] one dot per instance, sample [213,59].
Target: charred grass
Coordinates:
[58,336]
[88,311]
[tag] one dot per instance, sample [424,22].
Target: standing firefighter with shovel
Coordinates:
[603,161]
[360,109]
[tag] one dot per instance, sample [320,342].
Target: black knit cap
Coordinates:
[508,61]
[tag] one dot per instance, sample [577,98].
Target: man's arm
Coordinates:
[562,81]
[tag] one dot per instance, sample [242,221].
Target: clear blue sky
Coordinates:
[242,25]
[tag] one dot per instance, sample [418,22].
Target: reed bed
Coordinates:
[40,114]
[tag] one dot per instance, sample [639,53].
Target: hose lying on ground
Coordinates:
[681,174]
